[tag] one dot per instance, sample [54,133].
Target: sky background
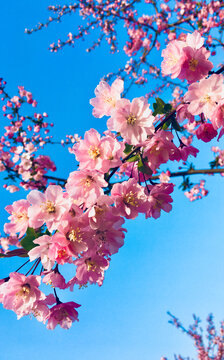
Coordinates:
[171,264]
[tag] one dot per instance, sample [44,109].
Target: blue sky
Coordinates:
[172,264]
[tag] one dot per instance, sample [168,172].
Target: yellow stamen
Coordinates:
[131,120]
[193,63]
[75,235]
[87,182]
[130,199]
[94,152]
[24,292]
[49,207]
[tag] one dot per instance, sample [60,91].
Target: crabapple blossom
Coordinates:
[42,251]
[95,153]
[106,97]
[20,293]
[187,59]
[204,95]
[90,268]
[19,220]
[74,235]
[54,278]
[159,199]
[121,174]
[85,186]
[206,132]
[133,120]
[48,207]
[129,199]
[63,314]
[159,149]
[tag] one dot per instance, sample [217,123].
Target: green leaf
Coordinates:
[128,148]
[159,107]
[27,241]
[144,168]
[133,158]
[167,108]
[176,125]
[167,124]
[160,102]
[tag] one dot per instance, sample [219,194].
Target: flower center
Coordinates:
[50,207]
[24,291]
[87,182]
[61,315]
[94,152]
[20,216]
[102,236]
[207,98]
[130,199]
[75,235]
[193,63]
[61,253]
[110,100]
[131,120]
[91,265]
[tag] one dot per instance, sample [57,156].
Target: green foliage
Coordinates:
[142,167]
[186,184]
[128,148]
[27,241]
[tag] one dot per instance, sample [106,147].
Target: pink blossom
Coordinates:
[90,268]
[63,314]
[100,210]
[98,153]
[185,151]
[129,199]
[20,293]
[42,251]
[204,95]
[55,279]
[19,220]
[164,177]
[217,117]
[12,188]
[173,58]
[206,132]
[85,186]
[159,149]
[47,208]
[133,120]
[60,252]
[196,64]
[182,113]
[159,199]
[109,236]
[74,235]
[106,97]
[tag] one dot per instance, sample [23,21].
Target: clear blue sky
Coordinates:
[174,263]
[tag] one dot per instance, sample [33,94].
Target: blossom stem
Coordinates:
[192,172]
[37,261]
[57,298]
[22,265]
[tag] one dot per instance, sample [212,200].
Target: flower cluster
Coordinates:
[22,139]
[212,348]
[82,223]
[145,27]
